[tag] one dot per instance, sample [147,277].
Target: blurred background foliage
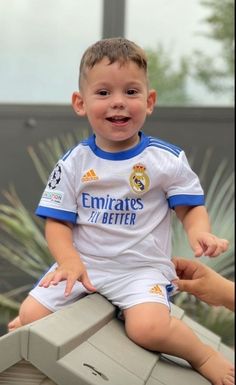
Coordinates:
[214,73]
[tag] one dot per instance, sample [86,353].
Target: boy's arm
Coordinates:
[70,267]
[197,226]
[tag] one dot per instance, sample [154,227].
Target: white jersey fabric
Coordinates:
[120,205]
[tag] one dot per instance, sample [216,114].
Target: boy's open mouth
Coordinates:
[118,119]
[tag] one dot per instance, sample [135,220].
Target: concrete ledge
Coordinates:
[10,351]
[113,342]
[84,344]
[88,366]
[68,328]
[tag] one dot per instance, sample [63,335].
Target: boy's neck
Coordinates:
[118,146]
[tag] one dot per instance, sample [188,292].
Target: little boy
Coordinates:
[108,208]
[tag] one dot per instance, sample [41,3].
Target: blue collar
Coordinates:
[122,155]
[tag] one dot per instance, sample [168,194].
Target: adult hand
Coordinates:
[203,282]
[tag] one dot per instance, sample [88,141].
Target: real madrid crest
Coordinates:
[139,180]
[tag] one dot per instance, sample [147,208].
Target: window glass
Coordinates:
[41,43]
[195,65]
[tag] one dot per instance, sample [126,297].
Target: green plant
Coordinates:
[24,245]
[171,83]
[217,75]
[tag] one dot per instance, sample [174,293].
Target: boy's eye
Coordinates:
[102,92]
[131,91]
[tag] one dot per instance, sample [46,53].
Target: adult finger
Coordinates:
[185,268]
[186,285]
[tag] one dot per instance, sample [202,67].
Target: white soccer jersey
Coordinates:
[120,203]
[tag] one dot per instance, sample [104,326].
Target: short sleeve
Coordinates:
[185,188]
[58,200]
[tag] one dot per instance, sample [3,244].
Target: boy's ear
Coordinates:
[78,104]
[151,101]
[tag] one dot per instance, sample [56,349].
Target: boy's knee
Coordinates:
[31,310]
[144,332]
[26,312]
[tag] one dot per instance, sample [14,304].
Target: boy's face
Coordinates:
[115,98]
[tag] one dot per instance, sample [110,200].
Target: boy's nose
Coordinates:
[118,102]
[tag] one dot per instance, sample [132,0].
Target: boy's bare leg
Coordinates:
[30,310]
[150,326]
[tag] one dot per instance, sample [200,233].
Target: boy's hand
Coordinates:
[208,244]
[70,272]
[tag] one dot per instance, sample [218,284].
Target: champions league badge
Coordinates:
[55,177]
[139,180]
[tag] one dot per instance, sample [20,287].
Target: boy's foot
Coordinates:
[14,324]
[217,369]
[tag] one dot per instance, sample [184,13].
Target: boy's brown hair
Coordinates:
[116,49]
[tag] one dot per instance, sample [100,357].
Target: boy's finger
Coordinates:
[212,251]
[87,284]
[69,286]
[198,251]
[58,277]
[51,279]
[45,282]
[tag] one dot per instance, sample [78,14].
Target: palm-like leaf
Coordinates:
[51,150]
[24,244]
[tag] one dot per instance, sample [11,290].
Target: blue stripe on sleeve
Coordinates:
[186,200]
[154,142]
[61,215]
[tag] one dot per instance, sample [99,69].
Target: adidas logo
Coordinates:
[89,176]
[156,290]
